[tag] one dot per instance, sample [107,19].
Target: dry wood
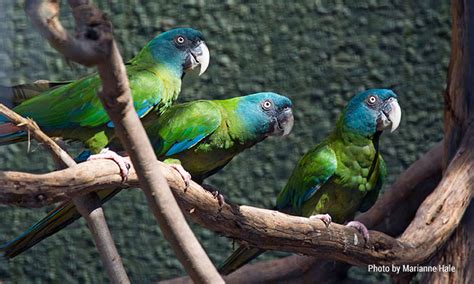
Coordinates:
[274,230]
[32,128]
[88,205]
[405,195]
[93,44]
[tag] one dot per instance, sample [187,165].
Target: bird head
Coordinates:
[372,111]
[180,49]
[266,113]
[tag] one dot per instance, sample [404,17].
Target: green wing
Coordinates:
[313,170]
[76,104]
[182,126]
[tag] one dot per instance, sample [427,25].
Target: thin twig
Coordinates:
[88,205]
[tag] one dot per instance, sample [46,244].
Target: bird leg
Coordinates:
[122,162]
[326,218]
[217,195]
[361,228]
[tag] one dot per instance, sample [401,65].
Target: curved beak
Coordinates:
[283,123]
[199,56]
[390,115]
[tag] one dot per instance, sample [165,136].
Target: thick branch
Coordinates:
[274,230]
[90,44]
[94,44]
[404,196]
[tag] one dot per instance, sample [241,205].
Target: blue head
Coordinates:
[179,50]
[266,114]
[371,111]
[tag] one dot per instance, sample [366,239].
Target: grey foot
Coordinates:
[326,218]
[122,162]
[361,228]
[184,174]
[217,195]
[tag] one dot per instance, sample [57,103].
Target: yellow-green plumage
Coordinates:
[72,110]
[341,175]
[203,135]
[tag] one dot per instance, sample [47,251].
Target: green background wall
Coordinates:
[319,53]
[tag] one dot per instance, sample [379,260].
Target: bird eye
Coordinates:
[371,100]
[179,39]
[266,105]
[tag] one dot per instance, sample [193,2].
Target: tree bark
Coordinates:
[88,205]
[459,103]
[94,44]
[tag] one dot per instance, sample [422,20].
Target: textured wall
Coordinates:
[319,53]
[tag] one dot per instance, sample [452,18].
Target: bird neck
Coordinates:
[159,62]
[234,124]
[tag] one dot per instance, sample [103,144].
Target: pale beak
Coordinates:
[391,114]
[284,123]
[200,56]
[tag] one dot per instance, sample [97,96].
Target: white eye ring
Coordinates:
[372,100]
[180,39]
[266,105]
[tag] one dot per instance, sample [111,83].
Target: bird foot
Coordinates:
[361,228]
[184,174]
[326,218]
[122,162]
[217,195]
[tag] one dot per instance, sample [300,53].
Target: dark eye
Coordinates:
[371,100]
[179,40]
[266,105]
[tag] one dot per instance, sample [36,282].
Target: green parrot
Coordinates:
[204,136]
[341,175]
[72,110]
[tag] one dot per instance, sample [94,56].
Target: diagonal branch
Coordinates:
[94,45]
[89,205]
[277,231]
[31,127]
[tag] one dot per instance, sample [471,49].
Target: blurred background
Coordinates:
[318,53]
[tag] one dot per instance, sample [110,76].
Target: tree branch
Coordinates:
[32,128]
[274,230]
[89,45]
[89,205]
[94,45]
[404,196]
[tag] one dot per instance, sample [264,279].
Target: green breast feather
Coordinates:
[334,178]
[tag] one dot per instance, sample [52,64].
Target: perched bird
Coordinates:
[203,135]
[341,175]
[72,110]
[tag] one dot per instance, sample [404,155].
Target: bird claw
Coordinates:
[217,195]
[184,174]
[122,162]
[361,228]
[326,218]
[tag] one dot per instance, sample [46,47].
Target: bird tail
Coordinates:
[56,220]
[239,258]
[12,96]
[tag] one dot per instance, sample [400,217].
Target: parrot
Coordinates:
[342,174]
[203,135]
[72,110]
